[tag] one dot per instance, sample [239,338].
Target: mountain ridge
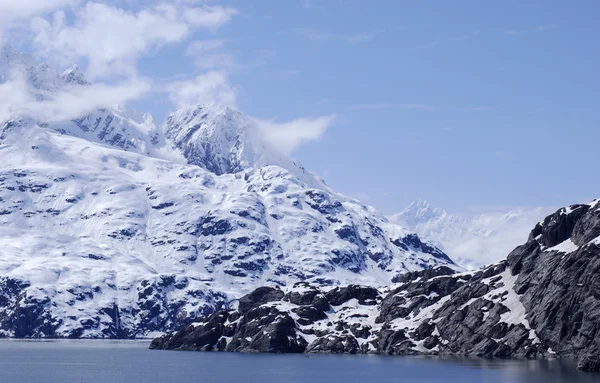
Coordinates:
[472,240]
[109,228]
[542,301]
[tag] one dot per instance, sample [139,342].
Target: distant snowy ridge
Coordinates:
[471,240]
[114,226]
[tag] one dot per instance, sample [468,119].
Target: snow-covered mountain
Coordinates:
[114,226]
[542,301]
[471,240]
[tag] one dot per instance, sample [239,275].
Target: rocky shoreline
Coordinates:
[543,301]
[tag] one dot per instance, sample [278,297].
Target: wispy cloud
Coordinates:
[288,136]
[289,72]
[365,37]
[19,99]
[132,34]
[512,32]
[394,106]
[309,4]
[314,34]
[450,39]
[542,28]
[209,55]
[15,14]
[426,107]
[319,35]
[538,28]
[208,88]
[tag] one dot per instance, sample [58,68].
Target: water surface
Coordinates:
[132,362]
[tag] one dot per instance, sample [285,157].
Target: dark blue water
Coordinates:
[132,362]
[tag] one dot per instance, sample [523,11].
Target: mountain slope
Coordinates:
[542,302]
[113,226]
[471,240]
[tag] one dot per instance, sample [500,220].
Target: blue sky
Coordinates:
[469,104]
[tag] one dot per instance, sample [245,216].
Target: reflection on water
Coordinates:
[131,361]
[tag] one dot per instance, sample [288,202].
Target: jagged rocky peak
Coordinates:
[223,140]
[219,139]
[74,75]
[577,224]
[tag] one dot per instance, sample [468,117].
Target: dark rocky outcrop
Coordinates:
[258,297]
[543,301]
[340,295]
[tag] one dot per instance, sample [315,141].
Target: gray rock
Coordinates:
[258,297]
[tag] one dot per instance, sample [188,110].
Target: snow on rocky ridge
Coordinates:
[543,301]
[114,226]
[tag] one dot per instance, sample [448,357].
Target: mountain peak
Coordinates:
[420,204]
[421,211]
[214,137]
[74,75]
[223,140]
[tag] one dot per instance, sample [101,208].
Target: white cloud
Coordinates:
[208,16]
[17,99]
[208,88]
[207,56]
[113,39]
[288,136]
[13,12]
[19,9]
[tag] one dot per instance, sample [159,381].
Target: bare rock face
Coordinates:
[560,285]
[258,297]
[543,301]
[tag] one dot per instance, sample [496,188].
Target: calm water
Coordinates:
[131,362]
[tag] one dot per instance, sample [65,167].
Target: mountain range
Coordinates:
[472,240]
[541,301]
[115,226]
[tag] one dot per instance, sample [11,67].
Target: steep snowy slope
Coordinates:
[112,226]
[471,240]
[90,226]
